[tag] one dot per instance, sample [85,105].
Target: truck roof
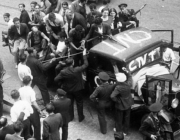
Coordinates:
[128,44]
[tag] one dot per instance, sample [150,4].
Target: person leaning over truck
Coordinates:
[123,100]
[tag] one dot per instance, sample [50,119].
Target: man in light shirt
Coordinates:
[23,69]
[18,107]
[9,24]
[29,95]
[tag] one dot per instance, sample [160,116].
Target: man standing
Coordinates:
[150,127]
[9,24]
[28,94]
[92,14]
[7,128]
[24,17]
[74,19]
[52,124]
[18,128]
[38,73]
[18,107]
[101,96]
[62,12]
[54,23]
[62,106]
[123,100]
[55,6]
[76,35]
[18,33]
[79,6]
[127,17]
[23,70]
[2,72]
[73,84]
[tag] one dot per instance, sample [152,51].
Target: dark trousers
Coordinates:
[26,129]
[122,120]
[65,131]
[35,121]
[77,96]
[102,120]
[1,100]
[41,83]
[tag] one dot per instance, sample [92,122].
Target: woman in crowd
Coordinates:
[116,24]
[105,16]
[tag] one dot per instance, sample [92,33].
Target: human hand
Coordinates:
[88,25]
[84,52]
[153,137]
[124,69]
[133,22]
[52,60]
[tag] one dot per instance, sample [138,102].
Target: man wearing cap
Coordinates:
[72,82]
[150,127]
[127,17]
[62,106]
[123,99]
[101,96]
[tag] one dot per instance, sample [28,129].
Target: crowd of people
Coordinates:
[61,34]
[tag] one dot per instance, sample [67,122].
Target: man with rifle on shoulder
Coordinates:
[128,17]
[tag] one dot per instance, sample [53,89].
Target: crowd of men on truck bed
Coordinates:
[58,36]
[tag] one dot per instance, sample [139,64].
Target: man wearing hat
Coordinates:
[101,96]
[150,127]
[123,99]
[62,106]
[127,17]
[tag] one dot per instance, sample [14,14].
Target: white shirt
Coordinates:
[168,55]
[24,70]
[18,107]
[27,94]
[10,23]
[58,21]
[61,46]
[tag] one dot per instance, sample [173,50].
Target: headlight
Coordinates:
[174,103]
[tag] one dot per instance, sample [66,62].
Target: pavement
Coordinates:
[158,14]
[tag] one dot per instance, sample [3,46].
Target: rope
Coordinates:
[63,57]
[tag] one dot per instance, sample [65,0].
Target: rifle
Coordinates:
[131,16]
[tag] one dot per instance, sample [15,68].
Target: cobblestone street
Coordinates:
[159,14]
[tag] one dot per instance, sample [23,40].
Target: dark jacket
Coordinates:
[13,32]
[124,19]
[9,129]
[103,93]
[78,20]
[75,7]
[122,94]
[24,17]
[62,105]
[94,32]
[37,68]
[71,77]
[91,16]
[51,126]
[149,127]
[13,137]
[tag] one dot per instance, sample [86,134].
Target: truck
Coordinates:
[141,51]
